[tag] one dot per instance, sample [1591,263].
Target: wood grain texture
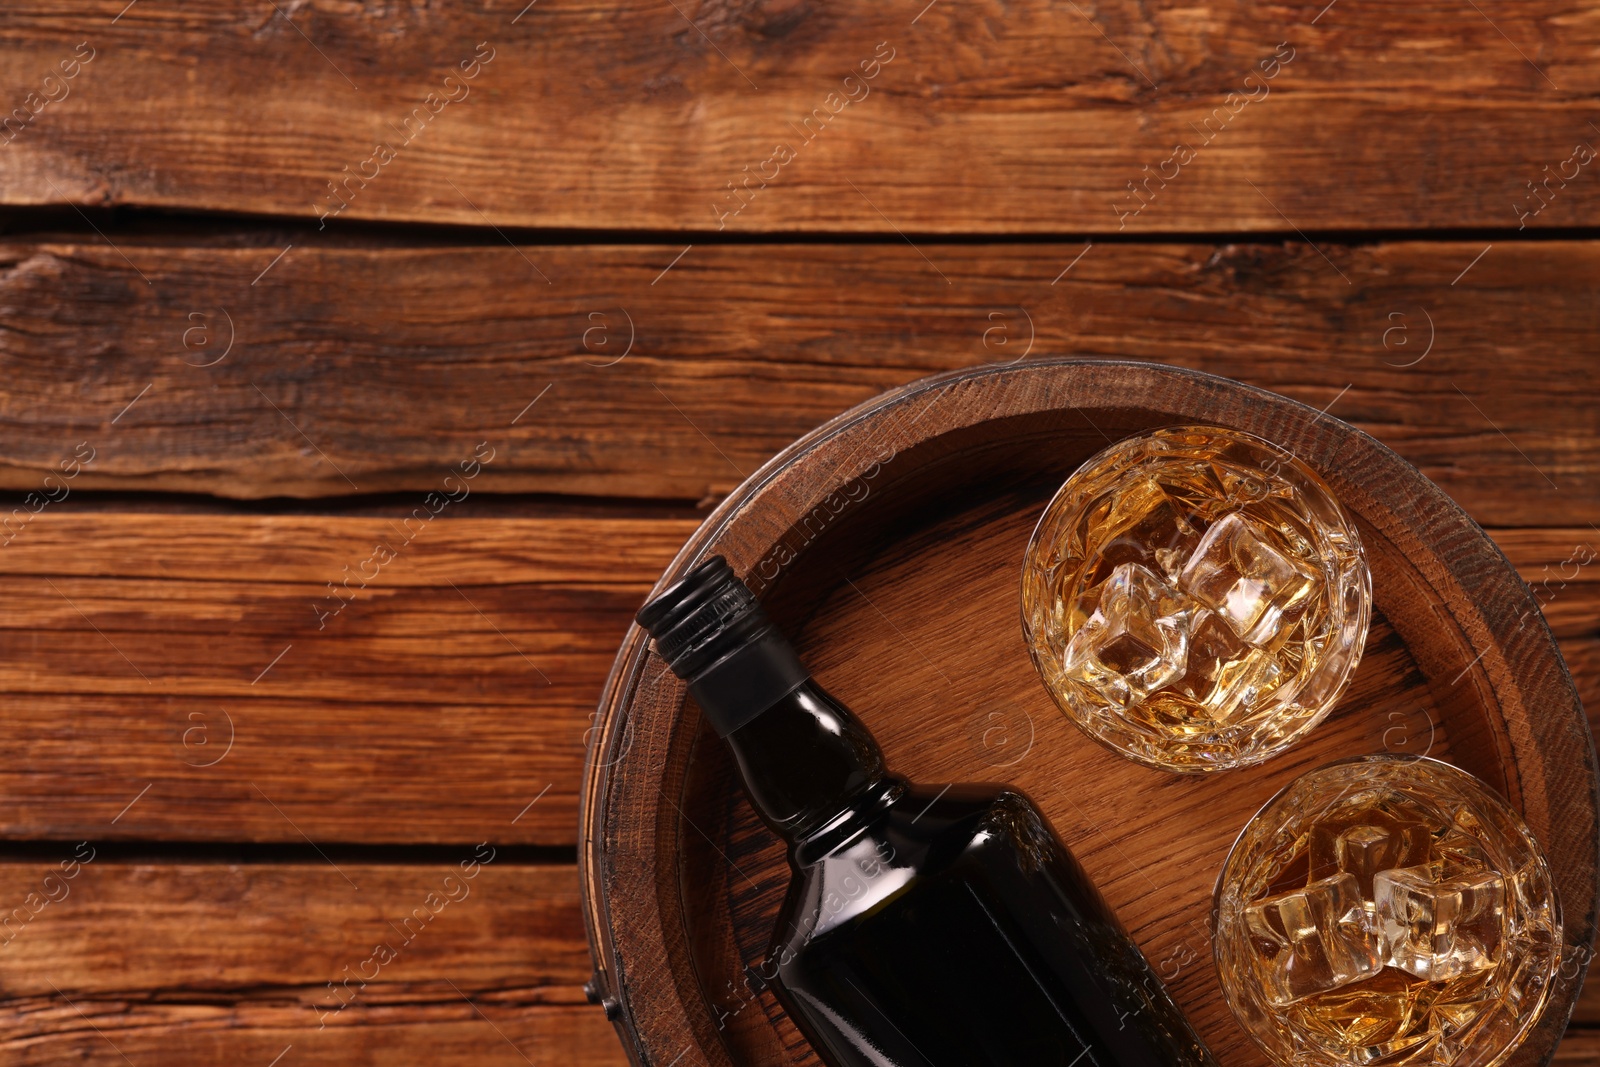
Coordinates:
[374,370]
[230,963]
[277,358]
[1578,1047]
[1451,646]
[405,697]
[635,115]
[448,694]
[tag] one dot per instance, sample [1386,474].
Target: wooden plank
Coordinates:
[1579,1046]
[225,963]
[1028,116]
[467,670]
[123,668]
[367,370]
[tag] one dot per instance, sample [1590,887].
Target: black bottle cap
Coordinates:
[696,612]
[713,633]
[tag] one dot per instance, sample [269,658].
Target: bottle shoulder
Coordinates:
[920,833]
[958,819]
[929,824]
[915,820]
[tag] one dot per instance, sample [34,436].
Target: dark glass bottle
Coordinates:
[923,927]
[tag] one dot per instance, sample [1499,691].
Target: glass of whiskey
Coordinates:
[1195,598]
[1386,910]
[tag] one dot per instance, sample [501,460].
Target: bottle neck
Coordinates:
[804,760]
[807,763]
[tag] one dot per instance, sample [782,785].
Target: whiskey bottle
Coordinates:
[923,927]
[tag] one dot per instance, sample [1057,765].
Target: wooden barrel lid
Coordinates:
[889,544]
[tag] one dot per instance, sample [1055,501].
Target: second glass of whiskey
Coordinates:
[1386,910]
[1195,598]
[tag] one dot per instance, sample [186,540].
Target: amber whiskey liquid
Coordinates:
[1195,599]
[923,927]
[1387,910]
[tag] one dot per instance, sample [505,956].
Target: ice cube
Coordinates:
[1440,929]
[1153,528]
[1236,572]
[1312,940]
[1367,848]
[1136,641]
[1225,675]
[1460,854]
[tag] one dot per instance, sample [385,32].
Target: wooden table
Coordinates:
[364,363]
